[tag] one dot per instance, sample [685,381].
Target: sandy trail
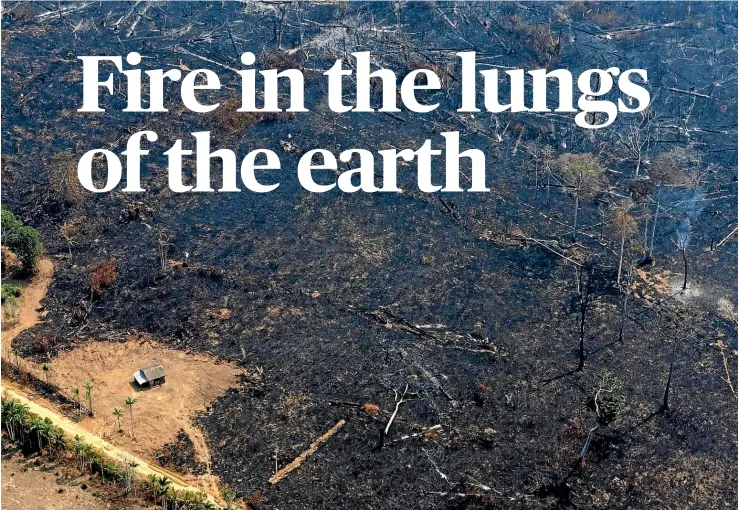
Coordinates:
[27,316]
[30,300]
[112,452]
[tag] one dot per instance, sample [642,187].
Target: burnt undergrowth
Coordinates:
[461,311]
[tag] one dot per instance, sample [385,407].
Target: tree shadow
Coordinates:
[546,382]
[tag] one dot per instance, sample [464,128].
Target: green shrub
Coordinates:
[112,471]
[22,240]
[608,405]
[9,222]
[10,291]
[26,244]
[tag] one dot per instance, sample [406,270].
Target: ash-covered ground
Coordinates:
[461,311]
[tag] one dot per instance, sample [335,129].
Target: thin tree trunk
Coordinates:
[576,215]
[638,166]
[584,293]
[686,263]
[582,354]
[653,231]
[665,404]
[620,265]
[624,309]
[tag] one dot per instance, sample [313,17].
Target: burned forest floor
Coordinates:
[481,350]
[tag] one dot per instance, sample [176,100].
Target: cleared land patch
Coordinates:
[193,381]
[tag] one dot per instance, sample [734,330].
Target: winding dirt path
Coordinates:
[28,316]
[29,301]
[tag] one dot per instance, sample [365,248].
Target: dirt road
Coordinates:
[29,301]
[112,452]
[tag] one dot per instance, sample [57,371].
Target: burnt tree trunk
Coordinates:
[585,290]
[667,389]
[624,307]
[576,218]
[686,263]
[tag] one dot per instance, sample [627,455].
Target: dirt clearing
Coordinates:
[193,381]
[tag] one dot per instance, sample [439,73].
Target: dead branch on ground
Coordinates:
[279,475]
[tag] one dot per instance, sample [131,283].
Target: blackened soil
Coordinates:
[434,305]
[180,456]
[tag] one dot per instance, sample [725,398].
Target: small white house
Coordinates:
[150,376]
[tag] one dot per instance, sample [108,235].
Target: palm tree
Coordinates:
[57,443]
[75,392]
[39,427]
[89,454]
[229,495]
[16,417]
[88,395]
[100,458]
[128,485]
[118,413]
[79,452]
[15,353]
[47,371]
[153,486]
[129,402]
[163,489]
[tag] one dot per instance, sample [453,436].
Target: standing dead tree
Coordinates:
[667,388]
[682,242]
[69,231]
[162,244]
[625,227]
[624,304]
[584,289]
[637,141]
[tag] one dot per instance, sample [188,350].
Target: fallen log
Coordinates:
[279,475]
[726,238]
[689,92]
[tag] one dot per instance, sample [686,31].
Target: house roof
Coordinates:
[139,377]
[149,373]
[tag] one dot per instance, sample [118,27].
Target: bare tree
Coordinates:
[162,244]
[584,290]
[625,227]
[624,304]
[667,389]
[637,140]
[682,242]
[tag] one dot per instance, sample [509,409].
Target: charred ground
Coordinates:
[342,300]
